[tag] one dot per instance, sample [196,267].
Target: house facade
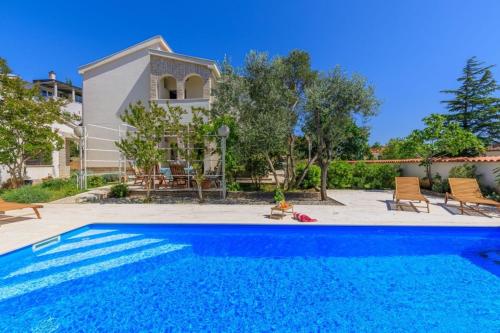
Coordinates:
[148,71]
[57,163]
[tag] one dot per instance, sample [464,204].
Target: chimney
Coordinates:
[52,75]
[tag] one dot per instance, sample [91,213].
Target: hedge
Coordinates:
[361,175]
[312,178]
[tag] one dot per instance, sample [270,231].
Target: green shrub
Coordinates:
[95,181]
[233,187]
[55,184]
[463,171]
[111,177]
[340,175]
[383,175]
[27,194]
[312,178]
[361,175]
[119,191]
[279,195]
[490,193]
[439,184]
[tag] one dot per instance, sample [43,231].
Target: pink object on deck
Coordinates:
[303,218]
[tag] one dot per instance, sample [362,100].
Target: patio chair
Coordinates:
[139,176]
[6,206]
[466,190]
[408,188]
[179,176]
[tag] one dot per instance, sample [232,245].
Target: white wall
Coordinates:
[110,88]
[484,169]
[186,104]
[74,108]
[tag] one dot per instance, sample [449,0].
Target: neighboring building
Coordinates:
[148,71]
[51,87]
[57,163]
[376,152]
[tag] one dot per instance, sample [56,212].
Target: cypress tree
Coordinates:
[474,106]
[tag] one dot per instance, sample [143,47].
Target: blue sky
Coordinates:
[409,50]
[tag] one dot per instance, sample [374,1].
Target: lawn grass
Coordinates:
[50,190]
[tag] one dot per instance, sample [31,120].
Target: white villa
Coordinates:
[148,71]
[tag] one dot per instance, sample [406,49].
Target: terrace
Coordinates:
[360,208]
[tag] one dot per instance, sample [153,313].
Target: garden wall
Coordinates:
[485,167]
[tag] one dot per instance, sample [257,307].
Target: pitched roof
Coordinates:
[478,159]
[164,51]
[182,57]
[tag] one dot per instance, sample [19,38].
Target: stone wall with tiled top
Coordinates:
[180,70]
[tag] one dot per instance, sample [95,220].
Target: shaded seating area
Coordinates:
[467,191]
[8,206]
[180,178]
[408,189]
[176,176]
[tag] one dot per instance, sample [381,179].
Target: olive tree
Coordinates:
[333,101]
[143,142]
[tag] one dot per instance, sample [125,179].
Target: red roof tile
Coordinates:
[478,159]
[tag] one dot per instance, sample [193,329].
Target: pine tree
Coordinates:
[474,106]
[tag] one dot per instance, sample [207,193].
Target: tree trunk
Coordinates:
[324,176]
[429,174]
[271,166]
[200,191]
[304,173]
[291,165]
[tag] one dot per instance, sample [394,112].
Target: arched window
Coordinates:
[167,88]
[193,87]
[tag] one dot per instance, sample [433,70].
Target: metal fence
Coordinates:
[100,155]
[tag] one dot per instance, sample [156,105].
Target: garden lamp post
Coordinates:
[223,132]
[79,133]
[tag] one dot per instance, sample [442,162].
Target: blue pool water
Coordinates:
[137,278]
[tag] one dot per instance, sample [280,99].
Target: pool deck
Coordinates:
[360,208]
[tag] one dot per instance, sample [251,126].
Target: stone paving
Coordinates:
[361,208]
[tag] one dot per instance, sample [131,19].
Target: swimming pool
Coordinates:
[170,278]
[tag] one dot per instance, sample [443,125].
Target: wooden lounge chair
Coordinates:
[179,176]
[6,206]
[408,188]
[466,190]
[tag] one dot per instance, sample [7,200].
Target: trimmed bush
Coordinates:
[312,178]
[361,175]
[340,175]
[118,191]
[96,181]
[383,175]
[27,194]
[111,177]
